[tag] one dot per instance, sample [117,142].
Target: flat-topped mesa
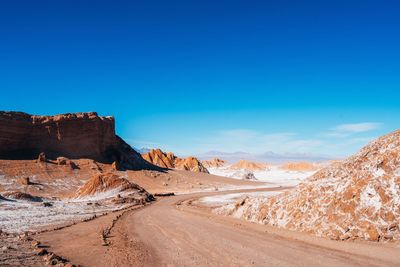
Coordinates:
[170,161]
[72,135]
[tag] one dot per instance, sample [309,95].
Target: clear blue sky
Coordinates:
[191,76]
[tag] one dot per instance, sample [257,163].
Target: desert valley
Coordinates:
[73,193]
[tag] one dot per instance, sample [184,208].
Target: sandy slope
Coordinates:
[174,232]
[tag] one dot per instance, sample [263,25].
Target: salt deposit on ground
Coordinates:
[357,198]
[219,200]
[273,174]
[20,216]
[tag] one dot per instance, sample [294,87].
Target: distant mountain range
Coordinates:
[270,157]
[142,150]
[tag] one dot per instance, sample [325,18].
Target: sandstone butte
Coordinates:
[358,198]
[169,160]
[213,163]
[75,136]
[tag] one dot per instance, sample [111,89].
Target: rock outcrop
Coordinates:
[170,161]
[24,181]
[249,176]
[190,164]
[105,182]
[248,165]
[75,136]
[161,159]
[358,198]
[214,163]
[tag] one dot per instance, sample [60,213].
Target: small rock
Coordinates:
[23,236]
[47,204]
[42,252]
[42,157]
[149,198]
[35,244]
[115,166]
[62,161]
[52,259]
[24,181]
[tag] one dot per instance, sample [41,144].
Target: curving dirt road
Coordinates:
[175,232]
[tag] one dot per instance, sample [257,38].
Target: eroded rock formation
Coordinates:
[161,159]
[190,164]
[358,198]
[78,135]
[169,160]
[214,163]
[105,182]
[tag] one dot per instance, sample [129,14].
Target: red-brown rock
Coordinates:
[170,161]
[75,136]
[214,163]
[105,182]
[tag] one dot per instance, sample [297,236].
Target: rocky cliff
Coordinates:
[169,160]
[78,135]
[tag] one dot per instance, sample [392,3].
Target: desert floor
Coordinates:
[180,231]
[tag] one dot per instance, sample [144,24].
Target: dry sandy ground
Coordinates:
[51,180]
[175,232]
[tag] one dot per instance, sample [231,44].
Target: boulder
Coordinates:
[24,181]
[42,157]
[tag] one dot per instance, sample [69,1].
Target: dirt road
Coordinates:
[174,232]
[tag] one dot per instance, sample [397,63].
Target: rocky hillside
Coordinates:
[190,164]
[78,135]
[161,159]
[169,160]
[214,163]
[248,165]
[358,198]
